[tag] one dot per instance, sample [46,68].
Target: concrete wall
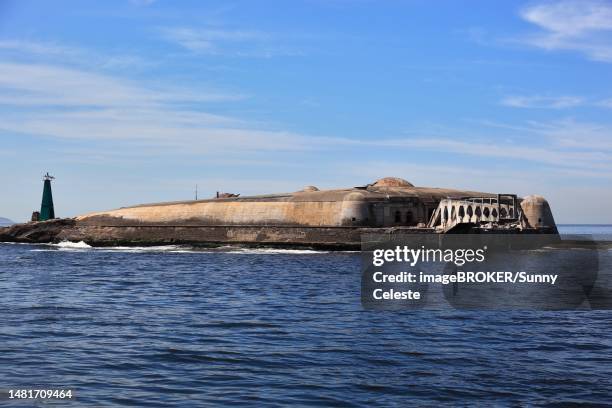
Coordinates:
[314,214]
[322,213]
[366,206]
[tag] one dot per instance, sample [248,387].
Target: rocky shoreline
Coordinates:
[36,232]
[69,229]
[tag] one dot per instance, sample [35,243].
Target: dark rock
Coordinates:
[36,232]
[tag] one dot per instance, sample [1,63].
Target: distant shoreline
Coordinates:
[5,222]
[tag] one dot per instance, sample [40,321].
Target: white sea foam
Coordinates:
[83,246]
[72,245]
[62,246]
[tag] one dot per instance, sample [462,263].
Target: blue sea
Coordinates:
[177,326]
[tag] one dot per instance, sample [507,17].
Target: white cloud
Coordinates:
[84,105]
[48,85]
[37,51]
[584,26]
[217,41]
[31,47]
[578,136]
[73,104]
[606,103]
[550,153]
[543,102]
[207,41]
[571,18]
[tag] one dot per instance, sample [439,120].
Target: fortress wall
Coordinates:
[324,237]
[388,202]
[317,213]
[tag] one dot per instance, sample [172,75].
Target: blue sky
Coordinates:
[129,102]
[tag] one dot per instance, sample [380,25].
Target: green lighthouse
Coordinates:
[47,211]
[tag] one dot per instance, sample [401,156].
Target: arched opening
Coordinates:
[461,212]
[470,211]
[445,215]
[478,212]
[409,218]
[503,213]
[486,212]
[494,213]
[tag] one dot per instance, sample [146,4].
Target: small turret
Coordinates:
[537,213]
[47,212]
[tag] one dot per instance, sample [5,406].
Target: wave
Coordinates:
[83,246]
[72,245]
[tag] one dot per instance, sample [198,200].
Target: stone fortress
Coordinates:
[311,217]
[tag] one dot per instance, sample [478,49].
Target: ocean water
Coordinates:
[174,326]
[591,229]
